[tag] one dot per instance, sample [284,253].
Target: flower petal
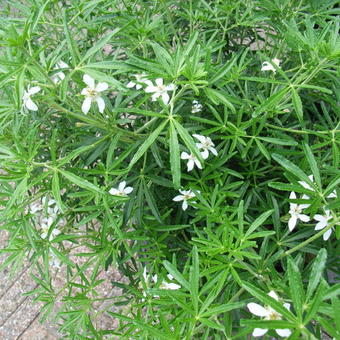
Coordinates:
[184,205]
[273,295]
[266,66]
[200,138]
[213,151]
[31,105]
[102,87]
[159,82]
[155,96]
[319,217]
[89,81]
[257,309]
[332,194]
[165,98]
[259,331]
[185,155]
[320,225]
[113,191]
[327,234]
[172,286]
[101,104]
[304,218]
[178,198]
[86,105]
[34,90]
[292,223]
[170,87]
[283,332]
[190,164]
[198,163]
[286,305]
[128,190]
[130,84]
[121,186]
[292,195]
[205,154]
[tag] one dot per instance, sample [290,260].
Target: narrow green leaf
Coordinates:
[259,221]
[296,287]
[268,324]
[101,76]
[316,272]
[297,105]
[263,150]
[174,157]
[56,190]
[83,183]
[151,203]
[141,325]
[62,257]
[216,311]
[312,163]
[176,274]
[267,300]
[279,141]
[194,278]
[240,216]
[221,72]
[270,102]
[314,305]
[188,140]
[170,227]
[70,42]
[147,143]
[292,168]
[219,97]
[99,45]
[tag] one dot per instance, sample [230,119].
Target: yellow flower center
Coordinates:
[91,93]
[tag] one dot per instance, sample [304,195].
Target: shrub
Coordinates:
[191,145]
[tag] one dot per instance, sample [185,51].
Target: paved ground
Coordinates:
[19,315]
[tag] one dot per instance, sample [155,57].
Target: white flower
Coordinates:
[91,93]
[45,226]
[140,78]
[122,190]
[159,90]
[269,314]
[267,66]
[192,160]
[207,145]
[35,207]
[53,260]
[196,107]
[295,212]
[332,194]
[307,186]
[186,195]
[59,76]
[323,223]
[27,101]
[169,285]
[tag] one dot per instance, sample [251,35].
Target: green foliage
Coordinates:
[259,78]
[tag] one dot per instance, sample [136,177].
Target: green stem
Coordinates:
[311,239]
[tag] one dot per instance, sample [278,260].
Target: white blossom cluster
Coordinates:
[45,214]
[296,211]
[152,280]
[268,313]
[92,92]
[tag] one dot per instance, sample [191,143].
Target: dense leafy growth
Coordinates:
[193,145]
